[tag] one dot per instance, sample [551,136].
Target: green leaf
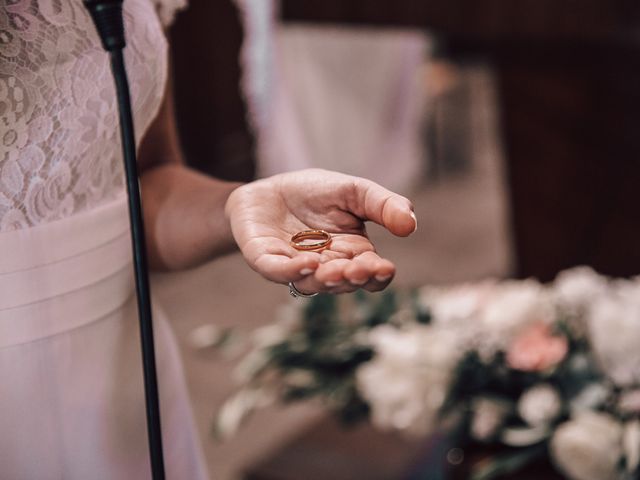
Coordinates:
[506,463]
[383,309]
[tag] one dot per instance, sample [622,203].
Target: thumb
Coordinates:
[382,206]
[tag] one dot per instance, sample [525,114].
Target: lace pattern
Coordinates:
[59,139]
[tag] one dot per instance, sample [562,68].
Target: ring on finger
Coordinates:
[295,293]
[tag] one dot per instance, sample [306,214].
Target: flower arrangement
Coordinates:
[541,369]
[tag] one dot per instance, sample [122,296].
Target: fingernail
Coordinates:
[383,278]
[415,219]
[332,283]
[359,281]
[306,271]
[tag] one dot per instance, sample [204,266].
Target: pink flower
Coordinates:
[536,349]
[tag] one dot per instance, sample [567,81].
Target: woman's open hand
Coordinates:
[265,214]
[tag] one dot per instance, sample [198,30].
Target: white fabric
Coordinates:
[258,58]
[72,402]
[357,99]
[345,99]
[71,390]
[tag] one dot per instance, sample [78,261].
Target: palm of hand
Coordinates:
[265,214]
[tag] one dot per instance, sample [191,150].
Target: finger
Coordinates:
[368,266]
[330,277]
[381,271]
[327,278]
[375,286]
[385,271]
[284,269]
[361,269]
[371,273]
[308,285]
[367,271]
[392,211]
[331,273]
[381,280]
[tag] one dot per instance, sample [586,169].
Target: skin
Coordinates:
[260,217]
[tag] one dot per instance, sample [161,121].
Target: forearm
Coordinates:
[184,216]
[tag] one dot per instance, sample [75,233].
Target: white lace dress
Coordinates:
[71,392]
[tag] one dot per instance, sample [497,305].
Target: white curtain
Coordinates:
[343,98]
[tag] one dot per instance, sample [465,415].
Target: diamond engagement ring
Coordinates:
[295,293]
[304,240]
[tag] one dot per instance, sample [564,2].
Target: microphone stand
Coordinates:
[107,16]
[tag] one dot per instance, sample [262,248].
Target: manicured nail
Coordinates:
[413,215]
[359,281]
[306,271]
[383,278]
[332,283]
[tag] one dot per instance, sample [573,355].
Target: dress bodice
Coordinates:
[60,150]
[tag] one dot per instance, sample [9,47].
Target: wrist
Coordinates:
[230,200]
[184,215]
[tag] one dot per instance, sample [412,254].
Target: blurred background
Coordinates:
[511,124]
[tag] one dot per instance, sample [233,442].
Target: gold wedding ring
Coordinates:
[301,240]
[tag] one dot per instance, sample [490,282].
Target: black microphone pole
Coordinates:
[107,16]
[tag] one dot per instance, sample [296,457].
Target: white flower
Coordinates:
[298,377]
[589,447]
[524,436]
[512,304]
[488,415]
[251,366]
[288,321]
[540,405]
[269,335]
[614,329]
[424,344]
[205,336]
[576,288]
[455,305]
[407,381]
[400,402]
[631,444]
[625,288]
[237,408]
[224,340]
[510,308]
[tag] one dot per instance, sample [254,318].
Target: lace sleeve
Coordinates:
[167,9]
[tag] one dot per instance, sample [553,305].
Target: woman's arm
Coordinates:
[183,209]
[191,218]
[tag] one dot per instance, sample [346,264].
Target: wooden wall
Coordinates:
[206,40]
